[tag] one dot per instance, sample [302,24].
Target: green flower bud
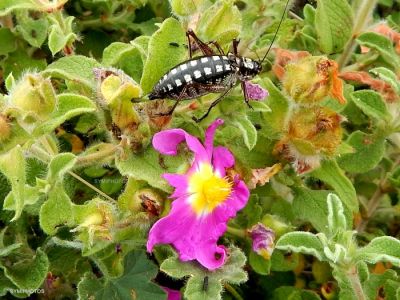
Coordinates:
[149,200]
[33,95]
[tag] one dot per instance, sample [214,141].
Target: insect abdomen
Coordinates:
[198,76]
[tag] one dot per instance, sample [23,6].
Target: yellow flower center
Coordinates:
[207,189]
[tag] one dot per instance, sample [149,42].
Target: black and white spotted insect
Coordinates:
[210,73]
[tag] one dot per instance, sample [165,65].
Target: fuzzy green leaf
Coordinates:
[77,68]
[28,273]
[381,44]
[333,23]
[147,166]
[372,104]
[7,39]
[58,38]
[248,131]
[33,31]
[231,272]
[56,211]
[162,57]
[378,283]
[5,251]
[69,106]
[221,22]
[336,218]
[12,165]
[135,283]
[59,165]
[293,293]
[383,248]
[369,150]
[302,242]
[330,173]
[279,105]
[387,75]
[259,264]
[20,61]
[186,8]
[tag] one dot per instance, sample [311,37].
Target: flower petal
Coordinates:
[167,141]
[255,91]
[179,182]
[209,136]
[222,159]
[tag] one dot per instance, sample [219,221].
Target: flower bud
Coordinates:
[34,95]
[263,240]
[312,78]
[5,128]
[149,200]
[312,133]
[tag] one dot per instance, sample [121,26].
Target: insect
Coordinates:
[210,73]
[205,283]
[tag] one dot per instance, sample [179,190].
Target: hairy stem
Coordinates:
[364,13]
[94,158]
[354,279]
[232,291]
[237,232]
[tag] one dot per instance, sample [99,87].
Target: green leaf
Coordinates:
[333,23]
[293,293]
[388,76]
[146,166]
[283,263]
[259,264]
[336,218]
[135,283]
[33,31]
[61,35]
[301,242]
[28,273]
[59,165]
[279,105]
[69,106]
[231,272]
[221,22]
[311,206]
[5,251]
[372,104]
[56,211]
[383,248]
[248,131]
[382,283]
[7,6]
[330,173]
[20,61]
[369,150]
[7,39]
[186,8]
[161,57]
[12,165]
[77,68]
[381,44]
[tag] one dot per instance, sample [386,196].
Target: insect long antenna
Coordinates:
[276,32]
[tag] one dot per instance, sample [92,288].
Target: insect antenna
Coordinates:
[276,32]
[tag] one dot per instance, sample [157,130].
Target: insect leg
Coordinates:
[202,46]
[218,100]
[216,44]
[235,44]
[171,111]
[246,96]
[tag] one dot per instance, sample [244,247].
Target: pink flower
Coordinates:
[263,240]
[255,91]
[205,199]
[172,294]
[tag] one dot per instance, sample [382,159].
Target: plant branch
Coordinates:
[233,292]
[361,21]
[354,279]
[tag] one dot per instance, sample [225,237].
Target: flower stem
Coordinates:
[95,157]
[236,232]
[232,291]
[354,279]
[362,18]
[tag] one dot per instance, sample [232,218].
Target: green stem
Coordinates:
[241,233]
[121,19]
[354,279]
[95,157]
[101,193]
[361,21]
[232,291]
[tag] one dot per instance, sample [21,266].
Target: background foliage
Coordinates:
[321,153]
